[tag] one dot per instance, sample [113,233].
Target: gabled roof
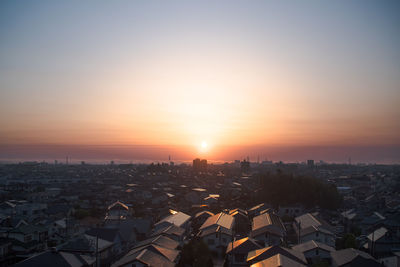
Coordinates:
[204,213]
[59,259]
[267,252]
[7,205]
[310,223]
[215,229]
[259,206]
[161,241]
[278,260]
[29,229]
[177,219]
[303,247]
[243,246]
[313,229]
[118,205]
[238,210]
[267,222]
[221,219]
[345,256]
[377,234]
[307,220]
[170,230]
[146,257]
[169,254]
[85,243]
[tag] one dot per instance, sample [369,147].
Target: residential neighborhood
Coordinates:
[165,214]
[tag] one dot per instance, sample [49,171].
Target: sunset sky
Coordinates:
[165,77]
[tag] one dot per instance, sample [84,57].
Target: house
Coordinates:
[172,231]
[254,211]
[370,220]
[309,227]
[155,251]
[179,219]
[30,211]
[353,257]
[278,260]
[268,228]
[217,232]
[242,225]
[59,259]
[143,258]
[111,235]
[392,260]
[7,208]
[87,245]
[116,212]
[200,218]
[62,229]
[210,200]
[160,240]
[268,252]
[382,242]
[236,252]
[315,251]
[28,238]
[291,211]
[6,253]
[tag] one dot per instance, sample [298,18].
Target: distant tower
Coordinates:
[258,159]
[169,157]
[66,160]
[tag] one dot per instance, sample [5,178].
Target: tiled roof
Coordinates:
[303,247]
[278,260]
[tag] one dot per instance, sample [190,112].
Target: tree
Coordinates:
[285,189]
[347,241]
[196,254]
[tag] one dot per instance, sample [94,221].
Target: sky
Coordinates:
[315,78]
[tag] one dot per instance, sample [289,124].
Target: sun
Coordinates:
[204,145]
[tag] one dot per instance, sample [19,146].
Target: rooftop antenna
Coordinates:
[169,157]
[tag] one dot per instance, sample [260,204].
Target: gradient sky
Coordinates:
[176,73]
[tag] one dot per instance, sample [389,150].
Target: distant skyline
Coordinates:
[283,79]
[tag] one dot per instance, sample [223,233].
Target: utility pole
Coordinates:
[372,243]
[97,251]
[233,239]
[298,238]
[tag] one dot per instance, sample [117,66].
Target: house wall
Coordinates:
[317,253]
[320,237]
[216,240]
[268,239]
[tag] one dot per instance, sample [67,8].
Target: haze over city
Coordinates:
[143,80]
